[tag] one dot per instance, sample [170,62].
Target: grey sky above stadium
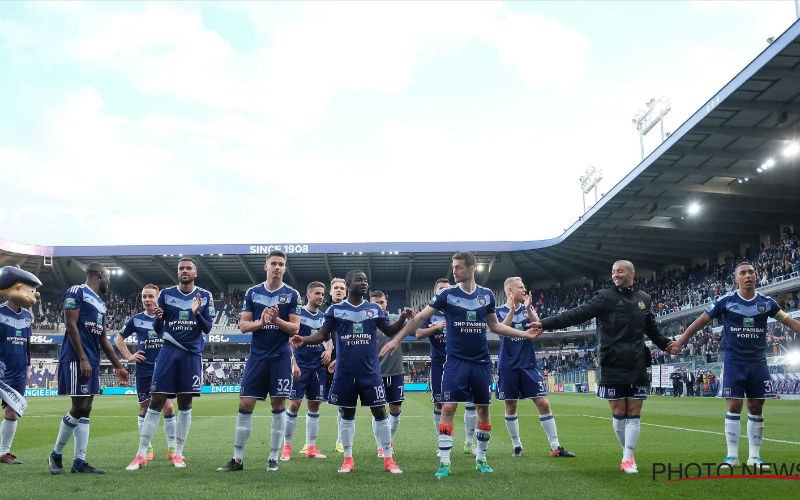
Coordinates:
[212,123]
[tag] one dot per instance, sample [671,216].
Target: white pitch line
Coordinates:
[695,430]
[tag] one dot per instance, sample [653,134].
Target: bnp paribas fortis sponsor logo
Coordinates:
[358,328]
[183,315]
[472,316]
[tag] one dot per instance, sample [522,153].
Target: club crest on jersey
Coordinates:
[183,315]
[483,300]
[748,322]
[27,322]
[370,313]
[283,299]
[762,308]
[641,305]
[358,328]
[471,316]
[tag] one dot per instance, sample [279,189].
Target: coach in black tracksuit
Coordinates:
[623,319]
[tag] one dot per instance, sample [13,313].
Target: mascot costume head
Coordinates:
[19,287]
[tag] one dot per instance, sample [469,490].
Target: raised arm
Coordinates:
[411,326]
[574,316]
[390,330]
[317,338]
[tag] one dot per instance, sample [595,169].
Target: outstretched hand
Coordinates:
[388,349]
[296,341]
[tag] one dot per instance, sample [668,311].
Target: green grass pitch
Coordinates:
[583,426]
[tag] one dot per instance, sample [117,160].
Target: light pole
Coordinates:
[589,180]
[645,120]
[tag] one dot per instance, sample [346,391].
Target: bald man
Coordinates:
[623,319]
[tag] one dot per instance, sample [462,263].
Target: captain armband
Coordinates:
[781,316]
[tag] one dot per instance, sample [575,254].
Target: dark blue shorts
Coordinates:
[622,391]
[177,372]
[18,384]
[437,367]
[310,385]
[746,380]
[143,385]
[520,383]
[70,382]
[394,386]
[267,376]
[466,381]
[345,391]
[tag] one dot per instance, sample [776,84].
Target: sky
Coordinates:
[192,123]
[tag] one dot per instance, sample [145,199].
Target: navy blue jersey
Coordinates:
[270,342]
[181,328]
[515,352]
[15,341]
[355,331]
[148,341]
[91,323]
[744,325]
[439,339]
[466,321]
[308,356]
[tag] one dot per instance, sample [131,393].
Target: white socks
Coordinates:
[733,428]
[470,417]
[619,428]
[755,432]
[549,425]
[184,423]
[512,424]
[383,435]
[244,423]
[149,426]
[483,435]
[632,428]
[7,430]
[65,431]
[347,429]
[170,425]
[312,428]
[291,423]
[394,423]
[276,433]
[81,439]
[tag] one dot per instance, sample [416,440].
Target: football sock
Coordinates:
[276,433]
[549,425]
[512,424]
[244,423]
[733,428]
[632,428]
[7,430]
[291,423]
[65,431]
[81,439]
[312,428]
[755,432]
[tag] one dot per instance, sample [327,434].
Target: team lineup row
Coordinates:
[295,347]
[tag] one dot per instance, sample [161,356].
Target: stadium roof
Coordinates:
[713,160]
